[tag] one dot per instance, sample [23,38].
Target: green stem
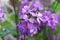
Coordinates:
[50,36]
[16,19]
[53,4]
[45,33]
[2,38]
[57,35]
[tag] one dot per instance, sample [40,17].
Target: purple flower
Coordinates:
[22,27]
[47,2]
[2,14]
[9,37]
[52,22]
[37,5]
[25,1]
[25,9]
[34,17]
[54,38]
[32,30]
[30,8]
[49,18]
[32,20]
[25,17]
[24,13]
[37,25]
[34,14]
[28,28]
[58,18]
[44,17]
[21,37]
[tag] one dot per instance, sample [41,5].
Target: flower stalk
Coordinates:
[45,33]
[16,17]
[50,35]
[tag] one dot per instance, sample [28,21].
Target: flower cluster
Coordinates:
[2,14]
[34,16]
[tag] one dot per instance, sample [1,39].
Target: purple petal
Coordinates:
[32,30]
[22,27]
[38,5]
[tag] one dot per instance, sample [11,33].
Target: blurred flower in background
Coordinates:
[34,17]
[21,37]
[7,3]
[8,37]
[2,14]
[47,2]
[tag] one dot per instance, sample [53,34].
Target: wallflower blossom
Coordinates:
[34,17]
[52,22]
[28,28]
[49,18]
[30,8]
[24,11]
